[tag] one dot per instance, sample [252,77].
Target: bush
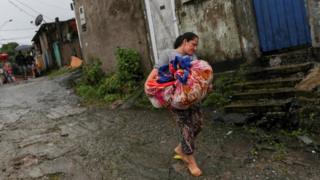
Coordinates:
[96,85]
[129,68]
[109,98]
[88,92]
[110,85]
[92,72]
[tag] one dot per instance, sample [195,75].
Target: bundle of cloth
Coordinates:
[179,84]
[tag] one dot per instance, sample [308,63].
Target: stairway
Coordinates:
[270,93]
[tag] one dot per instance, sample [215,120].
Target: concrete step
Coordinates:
[290,57]
[279,93]
[257,107]
[267,84]
[264,106]
[296,70]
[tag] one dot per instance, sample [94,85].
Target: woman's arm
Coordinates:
[152,74]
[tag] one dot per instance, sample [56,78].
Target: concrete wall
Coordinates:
[314,20]
[246,22]
[214,21]
[111,24]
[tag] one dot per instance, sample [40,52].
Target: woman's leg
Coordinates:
[189,125]
[197,119]
[185,125]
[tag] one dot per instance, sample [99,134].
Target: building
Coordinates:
[105,25]
[56,42]
[231,32]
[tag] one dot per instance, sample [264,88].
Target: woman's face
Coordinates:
[189,47]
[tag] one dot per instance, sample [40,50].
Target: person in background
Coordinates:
[21,61]
[30,61]
[38,65]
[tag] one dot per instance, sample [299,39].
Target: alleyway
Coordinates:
[45,133]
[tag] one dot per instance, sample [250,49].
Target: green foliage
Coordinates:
[223,88]
[118,85]
[9,48]
[92,72]
[252,130]
[86,91]
[129,68]
[215,99]
[275,141]
[293,133]
[254,152]
[309,117]
[222,91]
[280,152]
[109,98]
[110,85]
[59,72]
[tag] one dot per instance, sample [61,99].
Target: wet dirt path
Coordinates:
[46,134]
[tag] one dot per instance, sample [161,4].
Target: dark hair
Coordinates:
[189,36]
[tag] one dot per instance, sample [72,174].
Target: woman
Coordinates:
[189,121]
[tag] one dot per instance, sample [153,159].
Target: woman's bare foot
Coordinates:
[193,167]
[178,151]
[189,160]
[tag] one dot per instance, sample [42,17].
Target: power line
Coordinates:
[52,5]
[22,29]
[26,5]
[16,38]
[22,10]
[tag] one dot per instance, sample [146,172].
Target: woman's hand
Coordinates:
[152,74]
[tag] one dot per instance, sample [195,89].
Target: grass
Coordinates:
[58,72]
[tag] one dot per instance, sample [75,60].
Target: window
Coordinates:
[83,22]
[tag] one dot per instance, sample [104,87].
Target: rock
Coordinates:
[64,134]
[229,133]
[305,140]
[35,172]
[274,62]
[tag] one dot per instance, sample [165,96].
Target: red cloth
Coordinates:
[4,56]
[181,96]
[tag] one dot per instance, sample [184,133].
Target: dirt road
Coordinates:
[45,133]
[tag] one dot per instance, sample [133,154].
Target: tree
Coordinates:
[9,48]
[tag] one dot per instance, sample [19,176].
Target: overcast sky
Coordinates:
[22,14]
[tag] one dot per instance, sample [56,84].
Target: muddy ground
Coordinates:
[46,133]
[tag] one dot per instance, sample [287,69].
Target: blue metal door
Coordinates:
[282,24]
